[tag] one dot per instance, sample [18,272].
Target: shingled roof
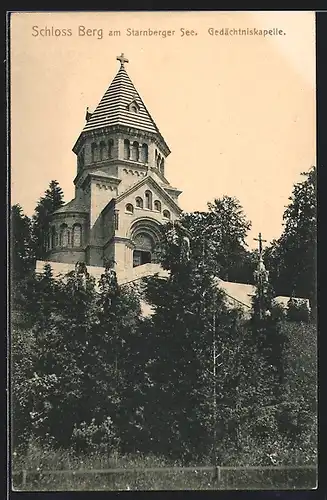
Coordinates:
[113,109]
[75,205]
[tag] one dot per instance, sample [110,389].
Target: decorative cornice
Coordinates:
[105,179]
[93,246]
[70,212]
[173,190]
[133,164]
[119,239]
[92,167]
[120,163]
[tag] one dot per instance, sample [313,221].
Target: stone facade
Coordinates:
[121,192]
[121,196]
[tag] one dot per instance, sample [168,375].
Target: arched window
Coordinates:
[129,208]
[77,235]
[166,214]
[144,153]
[110,148]
[158,161]
[135,151]
[126,149]
[94,151]
[148,200]
[139,202]
[63,236]
[162,166]
[157,205]
[102,150]
[133,108]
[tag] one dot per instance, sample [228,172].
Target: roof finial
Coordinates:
[122,59]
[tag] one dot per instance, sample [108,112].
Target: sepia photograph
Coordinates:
[162,238]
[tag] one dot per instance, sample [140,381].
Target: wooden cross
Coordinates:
[122,59]
[260,240]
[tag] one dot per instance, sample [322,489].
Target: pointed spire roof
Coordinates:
[116,106]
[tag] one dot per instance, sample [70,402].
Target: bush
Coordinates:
[298,311]
[278,312]
[39,460]
[95,437]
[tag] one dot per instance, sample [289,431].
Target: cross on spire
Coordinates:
[122,59]
[260,240]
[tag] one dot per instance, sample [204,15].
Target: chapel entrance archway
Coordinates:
[145,236]
[144,249]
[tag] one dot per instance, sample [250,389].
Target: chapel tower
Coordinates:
[121,192]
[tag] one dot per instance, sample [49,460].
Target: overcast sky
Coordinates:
[238,112]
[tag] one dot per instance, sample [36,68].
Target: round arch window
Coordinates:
[139,202]
[157,205]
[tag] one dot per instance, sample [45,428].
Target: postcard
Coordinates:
[163,239]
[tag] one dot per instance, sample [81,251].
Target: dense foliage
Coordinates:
[195,382]
[292,258]
[219,236]
[52,200]
[90,373]
[20,243]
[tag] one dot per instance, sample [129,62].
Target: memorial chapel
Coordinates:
[121,192]
[122,196]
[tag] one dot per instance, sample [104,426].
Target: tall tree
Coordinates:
[62,362]
[200,392]
[81,373]
[21,243]
[22,269]
[292,258]
[113,345]
[266,328]
[22,356]
[218,235]
[174,369]
[47,204]
[31,320]
[299,417]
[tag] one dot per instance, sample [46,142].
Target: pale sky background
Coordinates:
[238,112]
